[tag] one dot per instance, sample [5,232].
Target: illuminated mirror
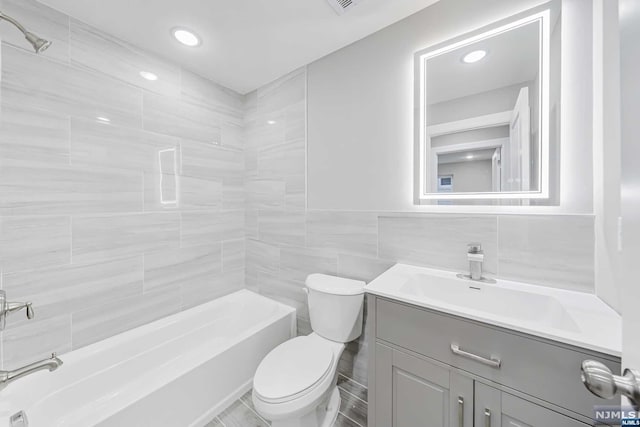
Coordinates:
[482,105]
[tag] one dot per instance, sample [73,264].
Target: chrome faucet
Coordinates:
[476,258]
[7,377]
[9,307]
[475,255]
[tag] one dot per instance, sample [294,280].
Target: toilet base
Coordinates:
[324,415]
[332,408]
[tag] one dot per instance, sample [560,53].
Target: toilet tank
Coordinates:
[335,306]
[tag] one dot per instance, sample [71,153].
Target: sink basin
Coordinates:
[562,315]
[494,299]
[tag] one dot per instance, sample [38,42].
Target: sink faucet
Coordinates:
[7,377]
[476,258]
[475,255]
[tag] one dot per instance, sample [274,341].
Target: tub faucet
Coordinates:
[7,308]
[7,377]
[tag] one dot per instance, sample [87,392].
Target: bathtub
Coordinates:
[178,371]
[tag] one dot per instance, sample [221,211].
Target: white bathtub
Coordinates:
[179,371]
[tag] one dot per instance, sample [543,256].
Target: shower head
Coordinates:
[39,44]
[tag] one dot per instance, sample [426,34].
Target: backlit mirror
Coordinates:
[482,105]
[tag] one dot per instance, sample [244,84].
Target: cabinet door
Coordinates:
[517,412]
[414,392]
[488,406]
[495,408]
[461,400]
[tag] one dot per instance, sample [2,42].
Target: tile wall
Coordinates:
[286,242]
[106,224]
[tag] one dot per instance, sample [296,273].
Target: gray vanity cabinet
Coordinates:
[417,380]
[421,393]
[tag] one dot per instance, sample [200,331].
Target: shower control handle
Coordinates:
[9,307]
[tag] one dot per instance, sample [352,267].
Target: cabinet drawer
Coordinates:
[539,368]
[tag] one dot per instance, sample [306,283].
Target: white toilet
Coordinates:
[295,384]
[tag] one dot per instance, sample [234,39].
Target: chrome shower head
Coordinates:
[39,44]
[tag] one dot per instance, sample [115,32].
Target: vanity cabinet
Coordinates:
[433,369]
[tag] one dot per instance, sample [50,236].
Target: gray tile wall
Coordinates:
[85,233]
[285,242]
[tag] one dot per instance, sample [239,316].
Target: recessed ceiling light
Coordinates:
[149,76]
[186,37]
[470,156]
[271,122]
[474,56]
[103,119]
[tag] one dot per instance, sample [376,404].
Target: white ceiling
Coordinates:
[246,43]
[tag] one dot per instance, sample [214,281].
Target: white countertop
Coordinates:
[584,320]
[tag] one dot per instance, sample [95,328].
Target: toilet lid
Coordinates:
[292,369]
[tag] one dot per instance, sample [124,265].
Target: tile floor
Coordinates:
[353,409]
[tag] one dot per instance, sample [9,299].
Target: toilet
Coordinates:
[295,385]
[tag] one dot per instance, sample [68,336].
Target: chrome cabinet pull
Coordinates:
[487,417]
[460,411]
[493,362]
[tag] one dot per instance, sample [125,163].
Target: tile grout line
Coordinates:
[70,239]
[222,256]
[353,381]
[350,419]
[252,410]
[144,256]
[71,339]
[352,395]
[68,39]
[69,140]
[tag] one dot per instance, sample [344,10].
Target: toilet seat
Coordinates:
[293,369]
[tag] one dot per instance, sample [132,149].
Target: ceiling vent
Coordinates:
[341,6]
